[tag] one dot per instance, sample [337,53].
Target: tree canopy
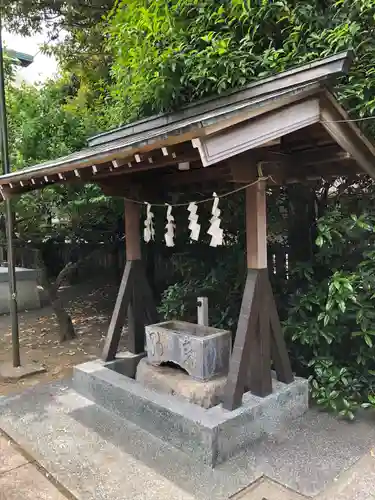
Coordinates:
[167,54]
[28,16]
[46,122]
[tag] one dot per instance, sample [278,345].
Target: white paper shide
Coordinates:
[170,227]
[215,231]
[149,231]
[194,227]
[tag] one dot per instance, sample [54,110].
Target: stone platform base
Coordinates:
[174,381]
[210,435]
[28,294]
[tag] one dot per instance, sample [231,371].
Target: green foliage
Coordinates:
[45,123]
[202,272]
[167,54]
[27,16]
[84,59]
[331,322]
[41,126]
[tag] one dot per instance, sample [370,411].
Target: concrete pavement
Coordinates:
[20,478]
[97,456]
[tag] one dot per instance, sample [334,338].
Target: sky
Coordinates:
[43,66]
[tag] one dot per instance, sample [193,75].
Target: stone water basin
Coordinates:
[202,351]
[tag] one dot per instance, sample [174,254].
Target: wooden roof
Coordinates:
[289,124]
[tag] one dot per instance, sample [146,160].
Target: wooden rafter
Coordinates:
[146,165]
[106,170]
[347,135]
[197,175]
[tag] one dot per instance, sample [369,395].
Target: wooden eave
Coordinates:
[294,128]
[321,70]
[126,150]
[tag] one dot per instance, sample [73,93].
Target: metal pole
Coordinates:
[8,213]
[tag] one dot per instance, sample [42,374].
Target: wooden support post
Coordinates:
[135,298]
[250,364]
[136,325]
[151,315]
[132,231]
[256,226]
[260,382]
[279,352]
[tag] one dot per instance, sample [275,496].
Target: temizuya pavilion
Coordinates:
[289,124]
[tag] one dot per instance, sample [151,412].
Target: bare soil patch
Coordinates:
[90,305]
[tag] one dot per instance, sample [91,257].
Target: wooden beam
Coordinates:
[349,137]
[279,164]
[151,314]
[258,331]
[136,324]
[293,175]
[111,189]
[256,246]
[132,230]
[197,175]
[141,310]
[259,356]
[136,314]
[328,154]
[284,174]
[258,336]
[242,171]
[279,351]
[134,302]
[120,162]
[118,317]
[146,165]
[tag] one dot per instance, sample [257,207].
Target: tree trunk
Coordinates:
[66,328]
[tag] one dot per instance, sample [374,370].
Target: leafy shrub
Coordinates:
[331,321]
[218,274]
[330,325]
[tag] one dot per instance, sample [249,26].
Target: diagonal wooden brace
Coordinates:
[258,331]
